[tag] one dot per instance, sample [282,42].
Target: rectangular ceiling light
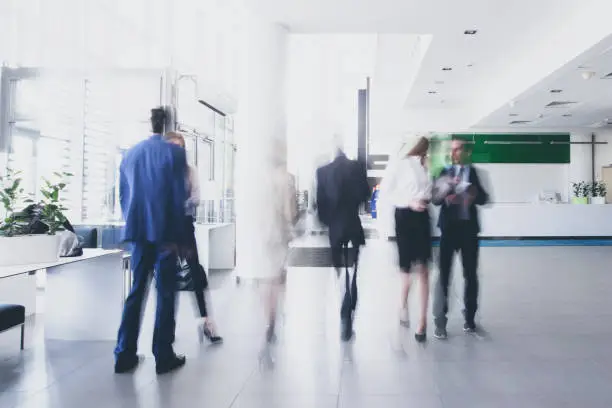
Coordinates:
[492,142]
[560,104]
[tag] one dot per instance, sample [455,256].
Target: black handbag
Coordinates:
[185,276]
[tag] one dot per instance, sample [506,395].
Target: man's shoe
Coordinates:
[440,333]
[469,327]
[172,364]
[126,365]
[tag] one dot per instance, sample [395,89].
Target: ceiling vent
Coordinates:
[520,122]
[560,104]
[609,76]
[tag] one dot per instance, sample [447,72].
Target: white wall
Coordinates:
[324,72]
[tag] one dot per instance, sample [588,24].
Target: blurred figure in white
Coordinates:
[407,186]
[277,234]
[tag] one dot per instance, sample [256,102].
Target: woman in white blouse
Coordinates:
[206,327]
[407,186]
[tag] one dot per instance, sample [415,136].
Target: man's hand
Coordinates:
[471,193]
[452,199]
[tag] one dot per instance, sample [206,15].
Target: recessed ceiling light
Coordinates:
[447,69]
[470,32]
[470,65]
[432,92]
[567,115]
[556,90]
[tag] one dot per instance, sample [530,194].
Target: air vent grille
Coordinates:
[560,104]
[609,76]
[520,122]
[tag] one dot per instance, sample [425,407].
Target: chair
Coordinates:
[12,316]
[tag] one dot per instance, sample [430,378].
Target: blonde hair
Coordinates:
[175,137]
[420,148]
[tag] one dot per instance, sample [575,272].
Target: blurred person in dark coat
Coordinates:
[153,195]
[459,226]
[342,187]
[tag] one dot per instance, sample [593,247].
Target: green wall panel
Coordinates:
[494,148]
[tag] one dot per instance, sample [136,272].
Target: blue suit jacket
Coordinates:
[153,192]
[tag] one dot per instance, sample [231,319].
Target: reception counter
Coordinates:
[532,220]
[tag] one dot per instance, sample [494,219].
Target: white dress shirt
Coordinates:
[193,190]
[406,181]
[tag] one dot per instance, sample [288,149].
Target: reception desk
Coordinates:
[531,220]
[546,220]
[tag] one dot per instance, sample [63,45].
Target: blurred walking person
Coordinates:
[407,186]
[459,227]
[342,187]
[152,194]
[275,233]
[206,327]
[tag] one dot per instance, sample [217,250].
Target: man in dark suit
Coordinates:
[342,187]
[153,196]
[460,227]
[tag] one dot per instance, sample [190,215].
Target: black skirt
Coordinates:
[413,235]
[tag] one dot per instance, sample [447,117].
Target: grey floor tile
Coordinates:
[541,347]
[285,401]
[390,401]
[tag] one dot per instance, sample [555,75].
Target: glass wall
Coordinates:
[87,97]
[210,149]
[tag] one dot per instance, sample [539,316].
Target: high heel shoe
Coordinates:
[421,337]
[205,332]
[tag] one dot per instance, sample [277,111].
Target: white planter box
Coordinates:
[598,200]
[29,249]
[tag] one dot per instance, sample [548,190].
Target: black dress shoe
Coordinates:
[469,327]
[440,333]
[163,367]
[126,364]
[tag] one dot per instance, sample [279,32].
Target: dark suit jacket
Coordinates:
[153,192]
[342,186]
[449,214]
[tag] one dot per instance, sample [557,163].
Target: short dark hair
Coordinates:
[159,117]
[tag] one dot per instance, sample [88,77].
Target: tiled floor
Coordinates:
[547,314]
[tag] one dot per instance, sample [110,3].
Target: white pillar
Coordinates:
[260,124]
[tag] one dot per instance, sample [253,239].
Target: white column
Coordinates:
[260,125]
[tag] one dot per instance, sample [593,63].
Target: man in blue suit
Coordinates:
[153,195]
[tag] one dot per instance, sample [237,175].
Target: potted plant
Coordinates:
[18,245]
[599,191]
[581,192]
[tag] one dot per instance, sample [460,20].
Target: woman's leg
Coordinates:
[423,271]
[271,299]
[406,278]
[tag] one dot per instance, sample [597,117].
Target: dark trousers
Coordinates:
[200,282]
[340,258]
[148,258]
[458,237]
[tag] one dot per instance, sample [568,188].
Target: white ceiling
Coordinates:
[519,44]
[593,96]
